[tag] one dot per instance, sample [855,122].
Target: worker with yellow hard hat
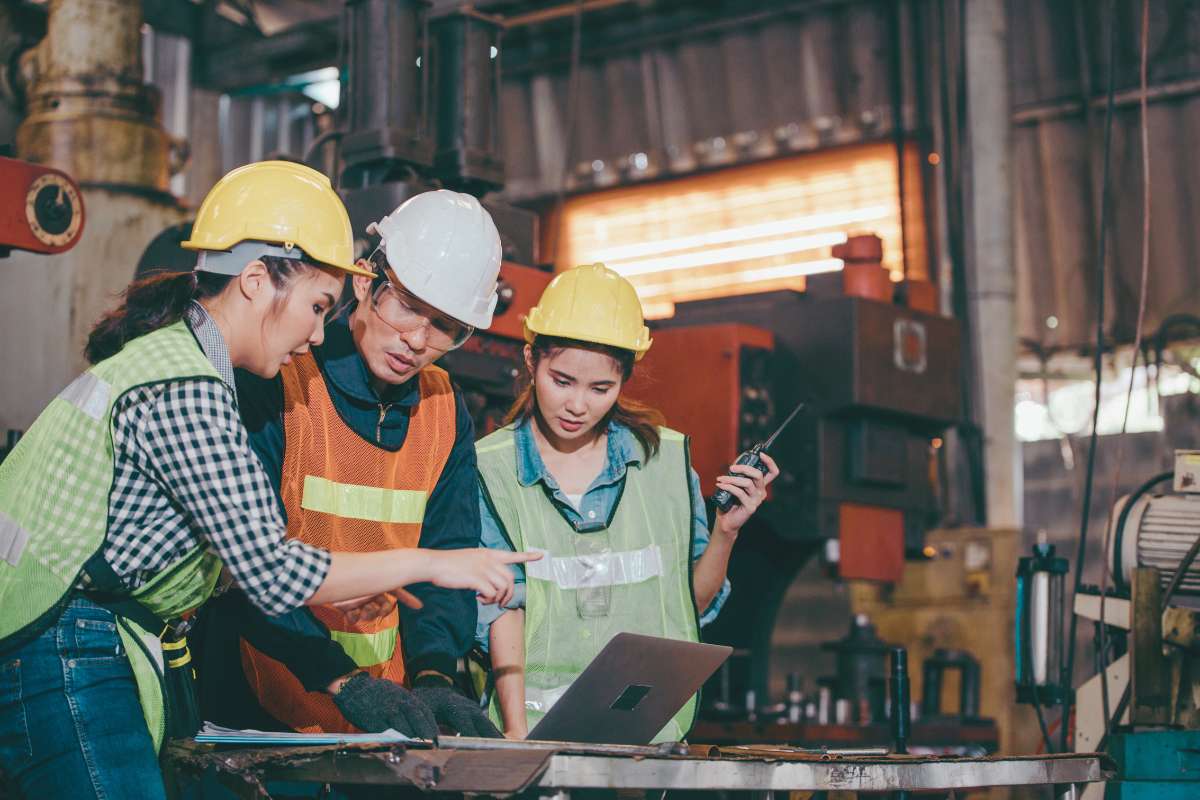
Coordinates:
[136,489]
[589,477]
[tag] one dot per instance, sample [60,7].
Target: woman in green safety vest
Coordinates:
[595,483]
[136,489]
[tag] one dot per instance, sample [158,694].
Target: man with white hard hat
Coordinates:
[371,447]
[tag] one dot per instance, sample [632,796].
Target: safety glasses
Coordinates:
[403,312]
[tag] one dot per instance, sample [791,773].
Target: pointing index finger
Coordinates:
[520,558]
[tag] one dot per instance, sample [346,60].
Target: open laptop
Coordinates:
[630,691]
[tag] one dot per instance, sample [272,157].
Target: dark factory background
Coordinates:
[923,219]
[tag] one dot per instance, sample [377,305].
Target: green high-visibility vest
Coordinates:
[54,490]
[634,576]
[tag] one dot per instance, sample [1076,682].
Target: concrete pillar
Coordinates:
[990,266]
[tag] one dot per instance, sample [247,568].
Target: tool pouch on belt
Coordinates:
[179,686]
[178,676]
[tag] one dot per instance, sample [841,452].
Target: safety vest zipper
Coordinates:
[383,409]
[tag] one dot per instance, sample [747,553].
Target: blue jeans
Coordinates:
[71,724]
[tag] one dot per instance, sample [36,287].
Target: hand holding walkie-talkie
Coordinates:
[724,499]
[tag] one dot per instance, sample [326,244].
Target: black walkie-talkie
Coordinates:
[723,499]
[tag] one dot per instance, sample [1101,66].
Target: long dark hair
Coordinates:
[159,300]
[642,420]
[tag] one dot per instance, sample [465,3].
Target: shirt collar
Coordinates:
[623,450]
[205,329]
[344,368]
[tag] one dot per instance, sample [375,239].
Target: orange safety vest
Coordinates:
[343,493]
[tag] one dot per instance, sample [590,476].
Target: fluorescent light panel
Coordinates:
[796,269]
[791,225]
[727,255]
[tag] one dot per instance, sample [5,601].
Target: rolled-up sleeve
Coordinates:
[199,450]
[491,536]
[700,537]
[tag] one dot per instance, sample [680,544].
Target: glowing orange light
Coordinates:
[755,228]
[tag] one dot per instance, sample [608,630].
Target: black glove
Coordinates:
[452,709]
[376,704]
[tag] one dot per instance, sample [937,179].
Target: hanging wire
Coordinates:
[572,116]
[1065,677]
[1137,344]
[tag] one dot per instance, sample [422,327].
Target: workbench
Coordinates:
[554,769]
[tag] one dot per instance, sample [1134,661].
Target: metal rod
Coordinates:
[558,12]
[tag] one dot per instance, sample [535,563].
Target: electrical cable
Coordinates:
[572,114]
[1137,342]
[896,90]
[1065,678]
[953,99]
[1185,564]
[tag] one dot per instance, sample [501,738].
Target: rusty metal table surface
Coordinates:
[503,768]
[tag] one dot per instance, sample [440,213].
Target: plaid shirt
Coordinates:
[184,476]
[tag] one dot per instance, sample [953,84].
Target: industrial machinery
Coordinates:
[1143,706]
[411,129]
[90,115]
[882,383]
[41,208]
[41,211]
[858,468]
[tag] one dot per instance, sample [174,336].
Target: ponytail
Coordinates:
[146,305]
[160,299]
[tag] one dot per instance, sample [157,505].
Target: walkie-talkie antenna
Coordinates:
[779,430]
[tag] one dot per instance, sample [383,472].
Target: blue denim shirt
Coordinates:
[596,503]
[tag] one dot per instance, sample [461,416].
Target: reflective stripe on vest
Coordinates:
[603,569]
[635,575]
[542,700]
[89,393]
[373,503]
[13,539]
[368,649]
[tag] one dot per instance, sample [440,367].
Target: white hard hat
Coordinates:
[443,247]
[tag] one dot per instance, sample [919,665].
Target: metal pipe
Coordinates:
[558,12]
[675,34]
[1042,112]
[386,98]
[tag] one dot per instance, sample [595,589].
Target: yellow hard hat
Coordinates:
[591,303]
[280,203]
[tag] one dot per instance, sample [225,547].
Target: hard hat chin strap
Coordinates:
[232,262]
